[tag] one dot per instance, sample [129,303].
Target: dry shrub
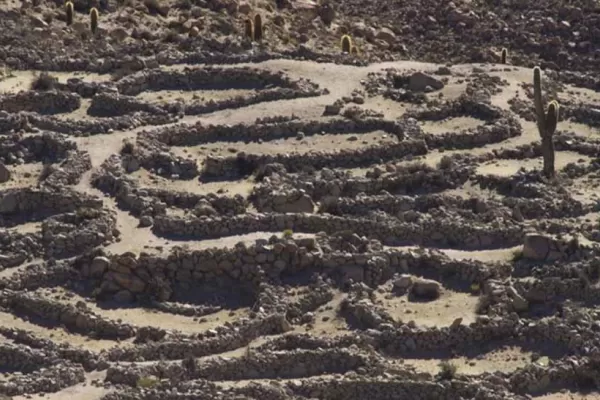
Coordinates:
[43,82]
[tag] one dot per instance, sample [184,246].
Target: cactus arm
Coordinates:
[537,91]
[552,118]
[537,97]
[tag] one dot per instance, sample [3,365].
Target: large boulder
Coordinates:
[9,203]
[425,289]
[419,82]
[302,204]
[539,247]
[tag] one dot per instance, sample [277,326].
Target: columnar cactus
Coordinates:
[249,29]
[70,11]
[546,122]
[346,43]
[503,55]
[94,19]
[258,28]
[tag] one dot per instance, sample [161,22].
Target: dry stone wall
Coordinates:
[48,102]
[245,164]
[265,260]
[153,201]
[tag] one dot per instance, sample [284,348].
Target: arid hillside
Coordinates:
[298,200]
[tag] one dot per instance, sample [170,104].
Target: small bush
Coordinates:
[288,233]
[146,382]
[127,148]
[43,82]
[447,370]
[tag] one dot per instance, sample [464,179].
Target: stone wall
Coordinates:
[155,156]
[76,318]
[97,126]
[264,260]
[122,102]
[11,123]
[406,179]
[46,102]
[20,204]
[508,207]
[497,125]
[151,202]
[207,78]
[245,164]
[284,201]
[66,235]
[266,365]
[71,221]
[116,104]
[225,338]
[32,148]
[36,368]
[70,171]
[449,232]
[185,135]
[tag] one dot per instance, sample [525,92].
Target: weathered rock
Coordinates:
[519,303]
[426,288]
[5,174]
[99,265]
[304,204]
[387,35]
[146,221]
[419,82]
[545,248]
[332,109]
[9,203]
[123,296]
[403,282]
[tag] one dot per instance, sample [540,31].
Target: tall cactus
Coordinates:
[249,29]
[546,122]
[503,56]
[69,11]
[346,43]
[94,20]
[258,28]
